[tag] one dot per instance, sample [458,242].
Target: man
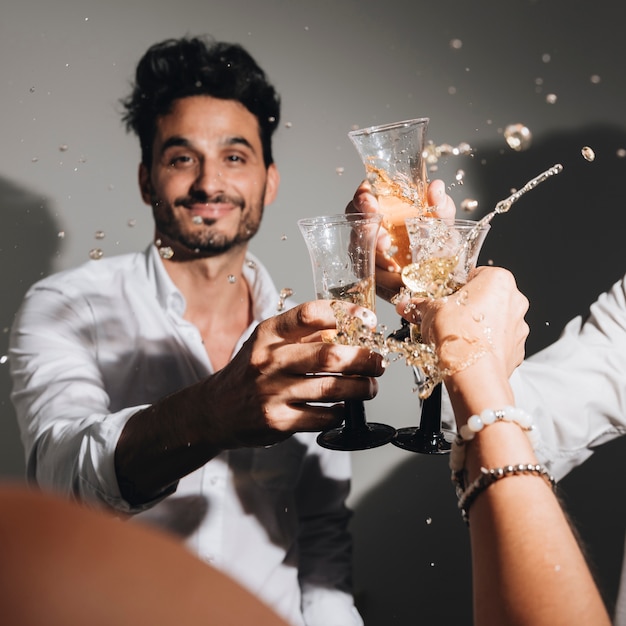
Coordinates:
[150,384]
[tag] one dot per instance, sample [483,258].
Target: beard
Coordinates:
[205,238]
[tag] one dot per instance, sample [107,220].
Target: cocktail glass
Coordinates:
[444,252]
[342,251]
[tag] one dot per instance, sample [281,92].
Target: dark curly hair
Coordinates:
[178,68]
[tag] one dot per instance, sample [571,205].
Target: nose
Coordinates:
[209,179]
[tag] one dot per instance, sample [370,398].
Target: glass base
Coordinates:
[372,436]
[414,440]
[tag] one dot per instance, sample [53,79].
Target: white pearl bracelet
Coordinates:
[476,423]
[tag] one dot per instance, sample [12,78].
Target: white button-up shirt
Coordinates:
[92,346]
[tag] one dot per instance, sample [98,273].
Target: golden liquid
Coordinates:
[362,292]
[432,278]
[398,200]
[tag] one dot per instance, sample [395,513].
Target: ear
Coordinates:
[145,186]
[271,186]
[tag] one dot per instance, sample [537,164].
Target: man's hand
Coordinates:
[268,389]
[388,281]
[284,379]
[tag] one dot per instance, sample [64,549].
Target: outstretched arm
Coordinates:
[260,398]
[528,568]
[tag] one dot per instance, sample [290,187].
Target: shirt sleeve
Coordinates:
[325,544]
[576,387]
[68,432]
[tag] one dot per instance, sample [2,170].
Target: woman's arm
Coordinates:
[528,568]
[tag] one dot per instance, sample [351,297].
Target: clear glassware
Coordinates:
[342,251]
[443,254]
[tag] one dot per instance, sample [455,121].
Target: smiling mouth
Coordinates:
[210,211]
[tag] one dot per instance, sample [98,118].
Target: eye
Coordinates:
[181,160]
[235,158]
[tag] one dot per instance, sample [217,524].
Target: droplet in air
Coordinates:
[251,264]
[283,237]
[285,293]
[232,279]
[99,234]
[3,359]
[63,147]
[460,176]
[551,98]
[95,254]
[61,234]
[288,124]
[429,520]
[469,204]
[621,153]
[339,170]
[131,222]
[196,219]
[166,252]
[456,44]
[546,58]
[518,137]
[595,79]
[588,153]
[32,90]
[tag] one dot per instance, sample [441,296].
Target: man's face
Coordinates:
[208,182]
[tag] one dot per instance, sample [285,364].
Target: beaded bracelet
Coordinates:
[476,423]
[489,476]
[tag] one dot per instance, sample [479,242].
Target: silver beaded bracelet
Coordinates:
[489,476]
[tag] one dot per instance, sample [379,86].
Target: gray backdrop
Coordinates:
[68,185]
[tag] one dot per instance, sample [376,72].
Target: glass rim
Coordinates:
[458,222]
[341,218]
[418,121]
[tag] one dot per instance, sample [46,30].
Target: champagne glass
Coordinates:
[393,155]
[342,252]
[395,166]
[443,254]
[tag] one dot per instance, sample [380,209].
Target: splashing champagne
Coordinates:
[398,200]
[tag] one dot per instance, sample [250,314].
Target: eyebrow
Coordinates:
[179,141]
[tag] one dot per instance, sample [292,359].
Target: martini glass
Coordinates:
[342,251]
[443,254]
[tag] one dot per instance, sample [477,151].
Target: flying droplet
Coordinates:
[546,58]
[251,264]
[131,222]
[460,176]
[339,170]
[469,204]
[95,254]
[3,359]
[288,124]
[621,153]
[232,279]
[551,98]
[285,293]
[456,44]
[61,234]
[283,237]
[518,137]
[595,79]
[429,520]
[166,252]
[588,153]
[99,234]
[63,147]
[196,219]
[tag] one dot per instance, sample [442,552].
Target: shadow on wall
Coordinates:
[564,241]
[28,242]
[412,555]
